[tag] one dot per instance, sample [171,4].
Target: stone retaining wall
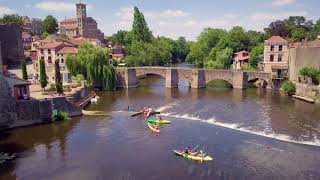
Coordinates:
[308,91]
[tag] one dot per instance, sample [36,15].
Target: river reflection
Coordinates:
[252,134]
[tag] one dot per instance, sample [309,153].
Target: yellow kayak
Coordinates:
[188,156]
[159,121]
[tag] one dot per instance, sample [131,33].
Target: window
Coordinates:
[41,51]
[62,55]
[280,47]
[62,61]
[279,58]
[49,51]
[271,58]
[272,48]
[49,59]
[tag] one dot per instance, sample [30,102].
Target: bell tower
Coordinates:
[81,16]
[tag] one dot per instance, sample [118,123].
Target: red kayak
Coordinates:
[153,127]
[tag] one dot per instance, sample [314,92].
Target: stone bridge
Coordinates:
[198,78]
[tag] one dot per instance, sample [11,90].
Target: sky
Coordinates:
[171,18]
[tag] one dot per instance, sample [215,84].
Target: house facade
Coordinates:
[276,56]
[26,41]
[82,25]
[241,59]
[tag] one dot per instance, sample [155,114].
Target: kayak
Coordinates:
[188,156]
[159,121]
[152,113]
[142,112]
[153,128]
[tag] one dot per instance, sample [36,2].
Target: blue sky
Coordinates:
[171,18]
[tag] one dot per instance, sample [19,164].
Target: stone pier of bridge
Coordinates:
[197,78]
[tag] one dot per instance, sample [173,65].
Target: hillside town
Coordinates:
[52,71]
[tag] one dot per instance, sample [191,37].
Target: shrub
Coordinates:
[311,72]
[61,116]
[248,68]
[79,78]
[289,87]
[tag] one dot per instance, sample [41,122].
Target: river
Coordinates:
[251,134]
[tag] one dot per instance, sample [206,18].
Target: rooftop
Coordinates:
[69,20]
[276,39]
[68,50]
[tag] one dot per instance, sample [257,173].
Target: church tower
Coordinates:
[81,16]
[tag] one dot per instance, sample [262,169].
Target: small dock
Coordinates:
[83,102]
[304,98]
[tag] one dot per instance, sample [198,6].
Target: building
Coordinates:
[12,45]
[118,53]
[241,59]
[303,54]
[80,40]
[26,40]
[82,25]
[276,56]
[33,25]
[52,51]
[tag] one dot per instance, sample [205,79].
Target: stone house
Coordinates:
[33,25]
[26,40]
[81,25]
[118,53]
[50,52]
[241,59]
[19,88]
[276,56]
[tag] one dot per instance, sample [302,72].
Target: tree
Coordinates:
[24,70]
[299,34]
[58,81]
[93,63]
[255,55]
[238,39]
[50,24]
[277,28]
[43,75]
[140,28]
[118,38]
[11,19]
[183,49]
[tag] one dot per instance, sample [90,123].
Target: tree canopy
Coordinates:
[93,63]
[50,24]
[140,30]
[11,19]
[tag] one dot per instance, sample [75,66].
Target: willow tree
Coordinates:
[93,63]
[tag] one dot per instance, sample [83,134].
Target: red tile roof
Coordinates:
[244,51]
[50,45]
[69,20]
[276,39]
[68,50]
[70,27]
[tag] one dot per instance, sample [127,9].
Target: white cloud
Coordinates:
[57,6]
[27,6]
[6,10]
[276,16]
[282,2]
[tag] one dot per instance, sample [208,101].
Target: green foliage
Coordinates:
[79,78]
[140,30]
[52,87]
[295,28]
[119,38]
[44,35]
[248,68]
[115,63]
[24,70]
[311,72]
[43,75]
[255,55]
[93,63]
[289,87]
[58,81]
[61,116]
[6,157]
[50,24]
[11,19]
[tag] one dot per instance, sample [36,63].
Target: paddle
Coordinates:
[194,148]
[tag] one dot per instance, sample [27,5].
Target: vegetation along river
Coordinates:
[251,134]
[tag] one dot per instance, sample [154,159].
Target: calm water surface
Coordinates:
[252,134]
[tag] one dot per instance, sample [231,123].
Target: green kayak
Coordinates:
[159,121]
